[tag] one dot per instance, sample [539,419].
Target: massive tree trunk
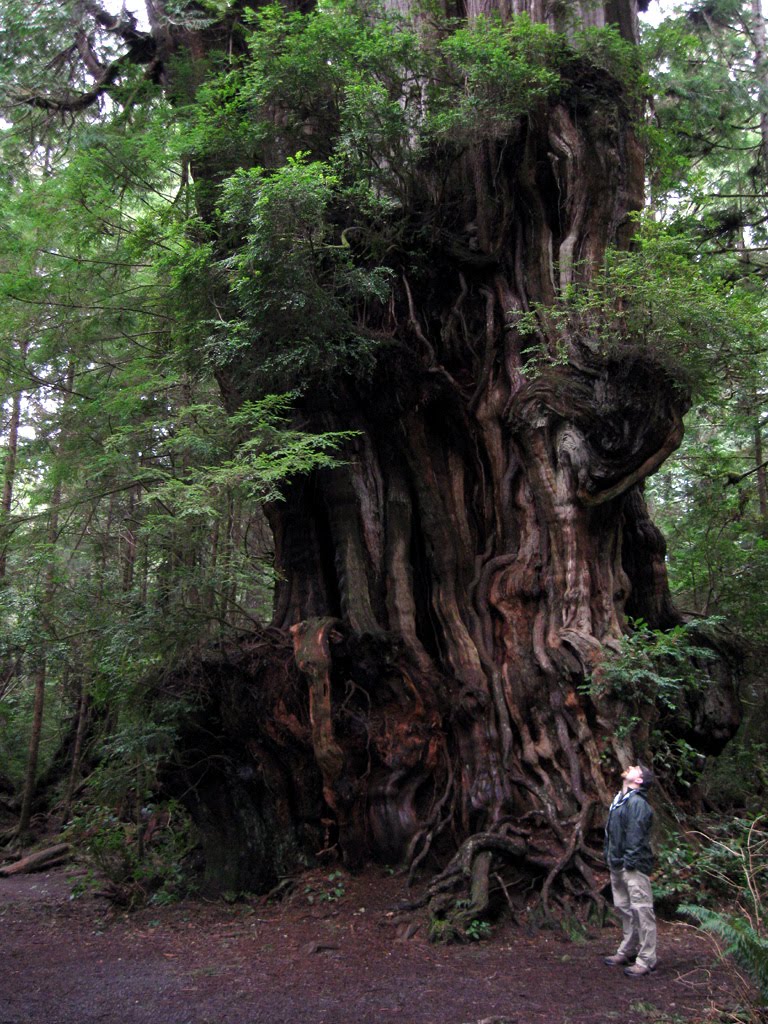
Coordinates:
[488,531]
[448,589]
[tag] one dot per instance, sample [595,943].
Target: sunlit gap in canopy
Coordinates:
[661,9]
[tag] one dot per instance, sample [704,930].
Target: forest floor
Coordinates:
[339,960]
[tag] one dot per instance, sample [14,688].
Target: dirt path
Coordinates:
[65,961]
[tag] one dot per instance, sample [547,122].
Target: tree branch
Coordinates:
[141,49]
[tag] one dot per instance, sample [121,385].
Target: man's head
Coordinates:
[638,776]
[648,777]
[632,776]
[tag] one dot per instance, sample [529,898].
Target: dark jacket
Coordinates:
[628,834]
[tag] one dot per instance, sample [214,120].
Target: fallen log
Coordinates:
[38,861]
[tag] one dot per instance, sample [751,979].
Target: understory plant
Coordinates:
[649,676]
[459,922]
[740,864]
[135,863]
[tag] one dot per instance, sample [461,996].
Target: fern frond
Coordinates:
[742,942]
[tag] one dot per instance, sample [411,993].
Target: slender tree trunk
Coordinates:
[760,476]
[41,671]
[9,475]
[39,675]
[761,74]
[229,589]
[106,544]
[145,572]
[129,541]
[9,670]
[33,751]
[213,564]
[77,749]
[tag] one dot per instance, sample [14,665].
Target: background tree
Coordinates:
[709,185]
[148,546]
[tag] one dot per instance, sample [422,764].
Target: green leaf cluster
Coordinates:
[661,302]
[136,531]
[491,73]
[296,287]
[652,669]
[334,114]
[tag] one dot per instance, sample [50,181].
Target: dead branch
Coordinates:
[38,861]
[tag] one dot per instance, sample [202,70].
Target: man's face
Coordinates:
[633,776]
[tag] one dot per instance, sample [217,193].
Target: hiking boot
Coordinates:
[618,960]
[638,970]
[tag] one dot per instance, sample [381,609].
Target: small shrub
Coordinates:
[327,889]
[477,930]
[652,666]
[134,865]
[649,676]
[442,931]
[677,876]
[458,924]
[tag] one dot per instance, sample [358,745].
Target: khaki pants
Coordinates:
[633,900]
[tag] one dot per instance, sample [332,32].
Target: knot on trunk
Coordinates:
[602,428]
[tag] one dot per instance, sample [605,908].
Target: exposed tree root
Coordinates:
[460,893]
[345,748]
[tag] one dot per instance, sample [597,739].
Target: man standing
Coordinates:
[630,859]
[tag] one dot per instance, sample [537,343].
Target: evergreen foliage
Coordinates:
[741,941]
[654,666]
[659,301]
[135,530]
[708,178]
